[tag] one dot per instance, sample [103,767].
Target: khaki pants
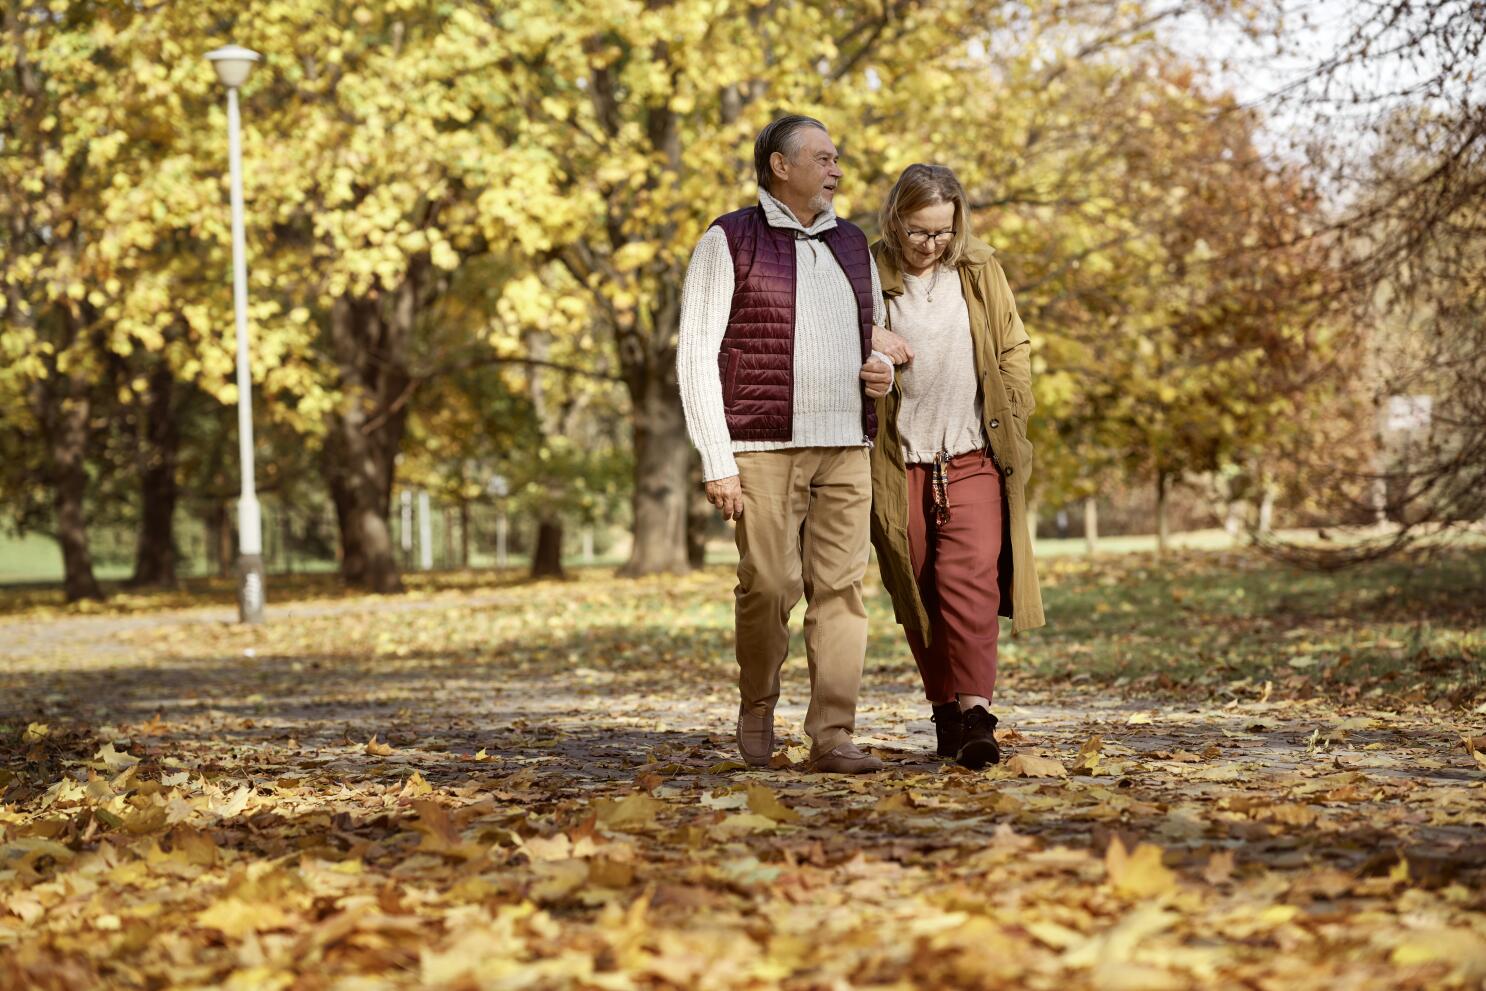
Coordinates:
[804,529]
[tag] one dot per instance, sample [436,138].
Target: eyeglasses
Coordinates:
[925,237]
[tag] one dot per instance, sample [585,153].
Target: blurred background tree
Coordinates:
[468,228]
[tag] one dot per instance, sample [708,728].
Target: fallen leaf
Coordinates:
[1219,867]
[30,848]
[749,822]
[1476,747]
[761,799]
[1138,873]
[376,749]
[1462,947]
[1120,941]
[556,879]
[416,787]
[748,872]
[1089,756]
[235,918]
[632,812]
[898,801]
[107,758]
[608,873]
[1028,766]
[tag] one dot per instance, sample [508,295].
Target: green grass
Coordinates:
[1211,622]
[1413,626]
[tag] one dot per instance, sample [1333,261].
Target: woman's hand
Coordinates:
[891,344]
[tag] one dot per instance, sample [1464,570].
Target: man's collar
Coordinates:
[779,215]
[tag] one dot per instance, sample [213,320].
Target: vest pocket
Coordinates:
[727,365]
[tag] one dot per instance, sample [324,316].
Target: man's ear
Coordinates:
[777,163]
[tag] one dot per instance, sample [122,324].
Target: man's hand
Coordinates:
[727,495]
[892,345]
[877,377]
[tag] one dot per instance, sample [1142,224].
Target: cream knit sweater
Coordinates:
[828,394]
[941,404]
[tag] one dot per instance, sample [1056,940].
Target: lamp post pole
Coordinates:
[233,65]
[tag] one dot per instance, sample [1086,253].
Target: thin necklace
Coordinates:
[932,283]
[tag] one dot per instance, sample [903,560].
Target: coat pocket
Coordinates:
[1024,451]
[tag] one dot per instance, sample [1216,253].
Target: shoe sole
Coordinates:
[978,753]
[816,769]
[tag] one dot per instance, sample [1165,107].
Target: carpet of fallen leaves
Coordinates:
[1220,774]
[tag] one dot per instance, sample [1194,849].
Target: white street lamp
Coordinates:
[233,64]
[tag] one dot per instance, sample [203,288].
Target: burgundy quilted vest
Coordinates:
[757,360]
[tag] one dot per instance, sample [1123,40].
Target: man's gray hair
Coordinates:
[783,136]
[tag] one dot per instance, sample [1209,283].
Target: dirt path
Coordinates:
[533,790]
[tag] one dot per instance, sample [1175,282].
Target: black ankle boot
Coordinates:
[947,726]
[978,739]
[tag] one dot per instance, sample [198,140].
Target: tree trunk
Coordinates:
[464,533]
[1091,524]
[218,537]
[63,409]
[356,485]
[1162,534]
[449,561]
[369,339]
[663,459]
[155,553]
[69,486]
[698,517]
[353,561]
[546,559]
[286,540]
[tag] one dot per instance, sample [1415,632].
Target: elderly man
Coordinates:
[778,378]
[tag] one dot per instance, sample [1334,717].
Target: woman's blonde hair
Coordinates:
[920,186]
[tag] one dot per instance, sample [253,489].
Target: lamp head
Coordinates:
[233,63]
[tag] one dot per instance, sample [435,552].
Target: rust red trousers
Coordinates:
[955,566]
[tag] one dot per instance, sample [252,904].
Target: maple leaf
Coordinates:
[765,802]
[1138,873]
[633,812]
[1028,766]
[236,918]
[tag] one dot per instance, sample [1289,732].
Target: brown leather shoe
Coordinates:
[846,759]
[756,736]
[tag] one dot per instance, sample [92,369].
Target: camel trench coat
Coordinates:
[1003,366]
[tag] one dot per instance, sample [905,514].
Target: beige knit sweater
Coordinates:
[941,396]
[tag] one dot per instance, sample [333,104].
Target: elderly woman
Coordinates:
[951,462]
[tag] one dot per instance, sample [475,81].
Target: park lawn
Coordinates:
[1199,621]
[1412,628]
[1221,773]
